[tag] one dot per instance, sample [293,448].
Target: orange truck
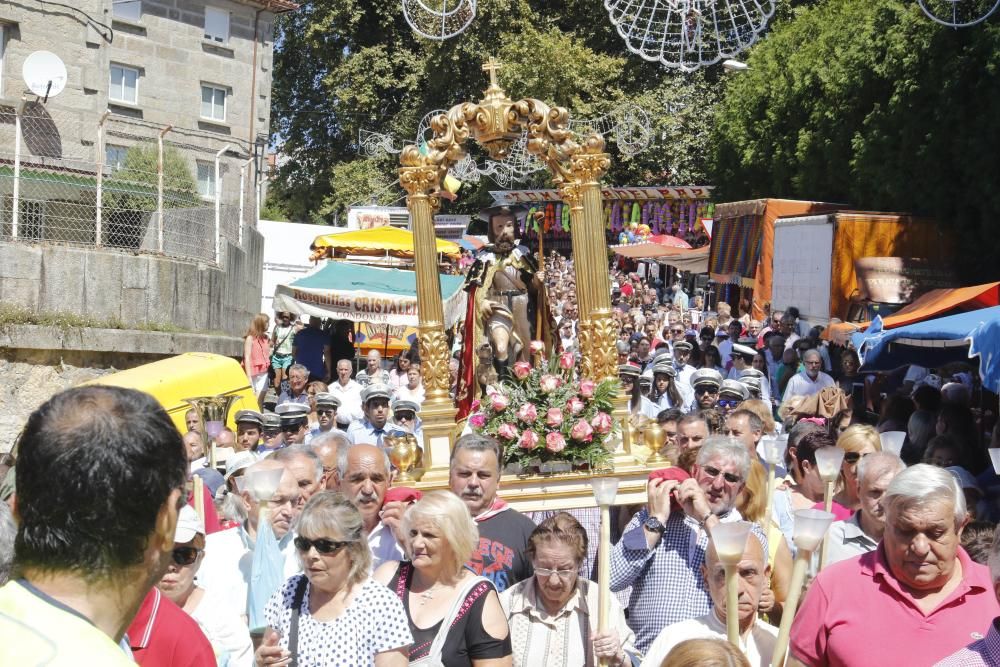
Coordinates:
[816,259]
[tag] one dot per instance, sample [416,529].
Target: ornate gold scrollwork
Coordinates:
[434,360]
[603,353]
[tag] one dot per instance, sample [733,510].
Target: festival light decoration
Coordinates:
[688,34]
[959,13]
[439,19]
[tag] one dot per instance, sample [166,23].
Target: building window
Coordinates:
[124,84]
[213,103]
[114,157]
[206,179]
[130,10]
[216,25]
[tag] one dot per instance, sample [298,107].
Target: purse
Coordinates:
[433,658]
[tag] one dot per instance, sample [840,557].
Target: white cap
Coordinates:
[188,525]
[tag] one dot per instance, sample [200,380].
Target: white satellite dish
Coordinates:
[44,73]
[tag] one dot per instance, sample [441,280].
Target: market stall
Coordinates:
[375,242]
[377,296]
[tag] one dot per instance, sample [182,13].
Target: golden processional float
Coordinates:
[577,165]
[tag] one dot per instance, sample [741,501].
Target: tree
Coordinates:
[346,65]
[871,104]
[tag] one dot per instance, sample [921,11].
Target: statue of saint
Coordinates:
[504,286]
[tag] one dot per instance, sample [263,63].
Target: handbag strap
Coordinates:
[293,630]
[442,634]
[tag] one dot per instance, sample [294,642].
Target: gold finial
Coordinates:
[491,66]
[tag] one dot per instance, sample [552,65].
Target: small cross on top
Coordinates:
[491,66]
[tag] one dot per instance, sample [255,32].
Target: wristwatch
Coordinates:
[653,524]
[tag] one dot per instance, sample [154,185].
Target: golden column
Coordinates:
[572,196]
[421,179]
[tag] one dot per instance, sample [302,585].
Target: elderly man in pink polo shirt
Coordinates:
[914,600]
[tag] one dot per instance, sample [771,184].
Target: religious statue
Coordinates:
[504,286]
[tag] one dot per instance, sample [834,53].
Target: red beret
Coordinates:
[673,473]
[402,494]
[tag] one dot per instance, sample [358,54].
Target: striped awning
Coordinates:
[736,245]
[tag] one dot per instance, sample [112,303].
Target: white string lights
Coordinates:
[439,19]
[959,13]
[688,34]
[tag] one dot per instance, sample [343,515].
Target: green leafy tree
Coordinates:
[872,104]
[346,65]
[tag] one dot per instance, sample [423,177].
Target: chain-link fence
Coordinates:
[121,182]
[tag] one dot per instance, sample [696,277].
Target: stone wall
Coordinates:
[137,289]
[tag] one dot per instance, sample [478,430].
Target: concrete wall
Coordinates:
[137,289]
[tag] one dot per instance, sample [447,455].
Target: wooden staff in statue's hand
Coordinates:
[542,331]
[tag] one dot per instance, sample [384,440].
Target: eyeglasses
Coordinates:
[705,390]
[290,428]
[185,555]
[728,476]
[406,416]
[728,403]
[545,573]
[853,457]
[322,545]
[326,411]
[677,331]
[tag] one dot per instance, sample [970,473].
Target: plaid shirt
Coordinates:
[982,653]
[666,580]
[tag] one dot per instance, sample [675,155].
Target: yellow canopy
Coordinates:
[377,241]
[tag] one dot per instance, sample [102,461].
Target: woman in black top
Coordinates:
[440,595]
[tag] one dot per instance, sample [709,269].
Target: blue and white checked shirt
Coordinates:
[667,585]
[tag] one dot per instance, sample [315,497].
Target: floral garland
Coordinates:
[543,414]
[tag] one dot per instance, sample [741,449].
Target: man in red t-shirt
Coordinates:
[162,635]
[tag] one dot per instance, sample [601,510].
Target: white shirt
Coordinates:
[384,546]
[801,384]
[416,395]
[226,570]
[757,645]
[225,631]
[847,540]
[350,401]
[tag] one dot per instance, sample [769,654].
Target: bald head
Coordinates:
[193,445]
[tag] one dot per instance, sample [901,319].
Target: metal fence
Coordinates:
[122,182]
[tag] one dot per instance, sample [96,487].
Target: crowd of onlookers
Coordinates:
[300,545]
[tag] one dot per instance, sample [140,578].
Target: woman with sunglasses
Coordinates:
[455,616]
[223,627]
[553,614]
[334,613]
[857,441]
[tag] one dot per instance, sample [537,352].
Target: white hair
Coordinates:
[921,485]
[877,464]
[727,448]
[290,452]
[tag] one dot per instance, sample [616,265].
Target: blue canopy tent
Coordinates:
[935,342]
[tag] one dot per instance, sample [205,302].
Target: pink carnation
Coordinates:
[549,383]
[575,405]
[567,360]
[554,442]
[508,432]
[537,347]
[582,431]
[527,413]
[477,420]
[529,440]
[587,388]
[554,417]
[602,423]
[499,402]
[522,369]
[475,405]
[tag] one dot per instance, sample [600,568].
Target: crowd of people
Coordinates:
[304,549]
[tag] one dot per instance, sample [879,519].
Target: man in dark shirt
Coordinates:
[311,348]
[503,532]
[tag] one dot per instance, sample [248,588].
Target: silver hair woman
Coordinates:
[455,616]
[342,615]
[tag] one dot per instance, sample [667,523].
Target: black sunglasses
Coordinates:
[290,428]
[728,403]
[705,390]
[322,545]
[728,476]
[185,555]
[853,457]
[326,411]
[408,416]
